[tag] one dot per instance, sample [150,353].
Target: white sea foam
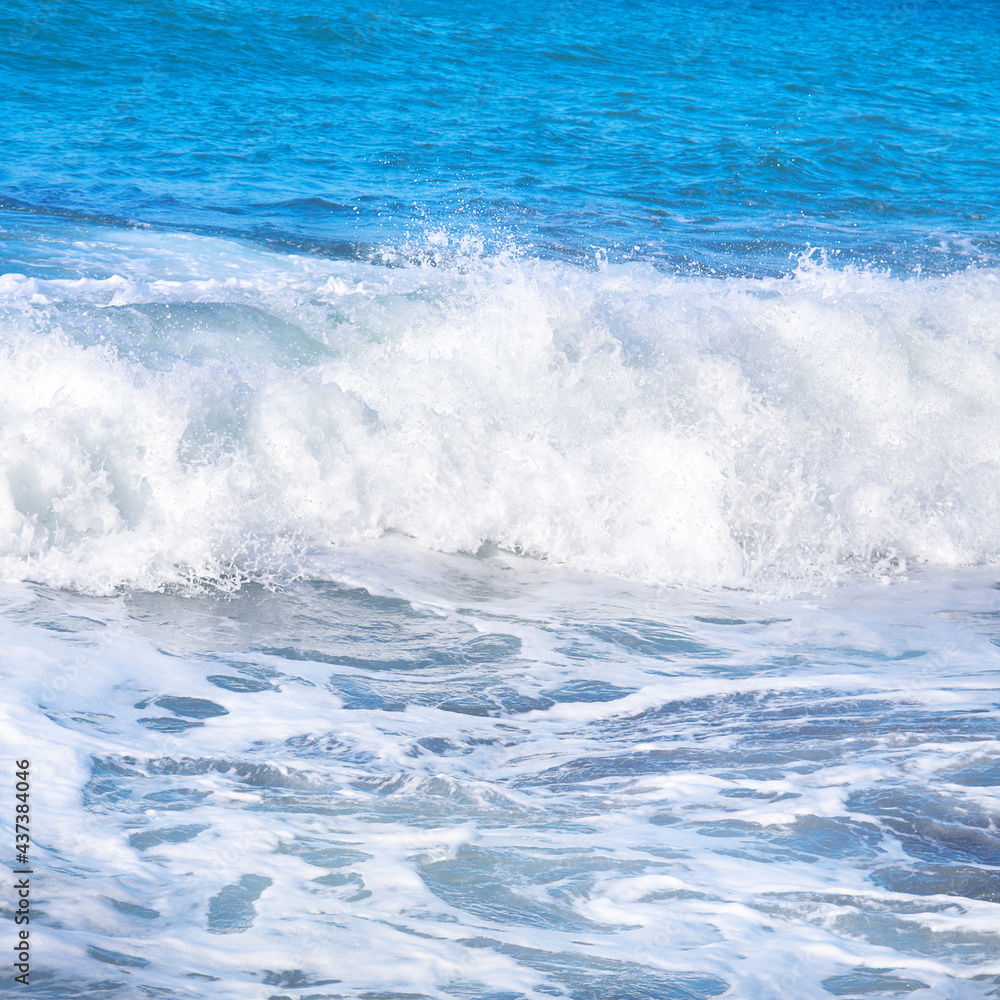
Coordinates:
[767,798]
[209,411]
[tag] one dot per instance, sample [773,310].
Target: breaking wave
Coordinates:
[217,412]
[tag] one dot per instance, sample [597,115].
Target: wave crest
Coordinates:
[219,425]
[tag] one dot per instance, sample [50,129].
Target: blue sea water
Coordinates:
[501,503]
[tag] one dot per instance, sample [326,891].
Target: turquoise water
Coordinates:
[501,503]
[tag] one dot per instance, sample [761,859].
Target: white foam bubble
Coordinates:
[212,412]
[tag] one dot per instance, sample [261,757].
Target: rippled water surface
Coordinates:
[513,783]
[727,135]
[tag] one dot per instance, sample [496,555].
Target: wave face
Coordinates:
[217,412]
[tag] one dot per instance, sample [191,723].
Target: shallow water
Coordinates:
[511,782]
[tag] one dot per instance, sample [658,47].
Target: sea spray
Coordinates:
[613,419]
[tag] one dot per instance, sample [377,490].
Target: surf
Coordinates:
[214,410]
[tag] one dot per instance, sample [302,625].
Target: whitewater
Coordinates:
[213,412]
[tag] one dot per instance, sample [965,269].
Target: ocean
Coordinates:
[500,503]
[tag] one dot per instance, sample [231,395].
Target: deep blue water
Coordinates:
[725,134]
